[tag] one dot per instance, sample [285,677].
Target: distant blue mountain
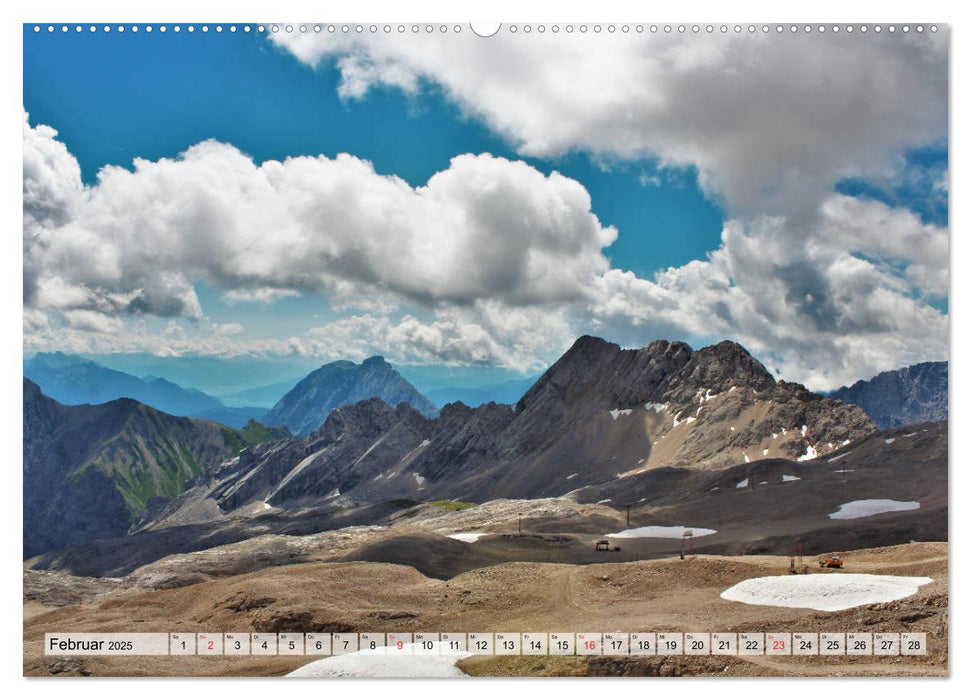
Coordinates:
[233,416]
[266,396]
[305,407]
[74,380]
[915,394]
[504,392]
[229,379]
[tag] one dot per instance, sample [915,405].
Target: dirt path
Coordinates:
[562,594]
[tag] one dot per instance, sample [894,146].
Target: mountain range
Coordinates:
[915,394]
[598,414]
[90,471]
[305,407]
[509,391]
[669,425]
[74,380]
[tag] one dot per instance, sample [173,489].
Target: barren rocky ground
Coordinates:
[652,595]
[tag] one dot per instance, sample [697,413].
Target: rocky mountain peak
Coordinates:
[905,396]
[596,371]
[368,416]
[305,407]
[717,368]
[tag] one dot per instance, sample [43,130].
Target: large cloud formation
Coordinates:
[493,262]
[137,240]
[771,121]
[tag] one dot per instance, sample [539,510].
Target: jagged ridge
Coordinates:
[598,412]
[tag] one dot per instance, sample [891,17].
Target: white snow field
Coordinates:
[467,536]
[376,664]
[663,531]
[826,592]
[872,506]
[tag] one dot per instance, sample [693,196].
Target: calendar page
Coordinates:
[450,349]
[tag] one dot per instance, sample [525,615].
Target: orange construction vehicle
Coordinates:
[830,561]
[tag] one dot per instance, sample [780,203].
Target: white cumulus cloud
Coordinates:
[770,120]
[490,262]
[136,241]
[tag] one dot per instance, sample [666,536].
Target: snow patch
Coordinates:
[889,441]
[742,484]
[656,407]
[419,478]
[871,506]
[411,663]
[826,592]
[606,500]
[572,475]
[789,477]
[809,454]
[620,412]
[467,536]
[803,430]
[672,532]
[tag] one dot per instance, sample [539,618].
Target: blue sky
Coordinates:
[240,89]
[176,90]
[116,97]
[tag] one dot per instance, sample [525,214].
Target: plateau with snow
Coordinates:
[826,592]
